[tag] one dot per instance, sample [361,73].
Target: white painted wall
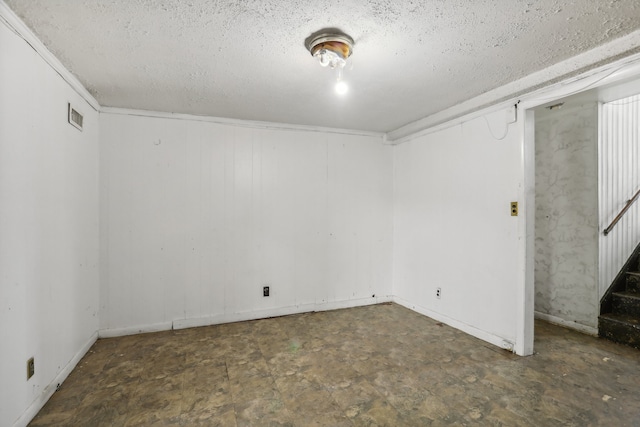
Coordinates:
[566,239]
[198,216]
[453,229]
[619,181]
[48,229]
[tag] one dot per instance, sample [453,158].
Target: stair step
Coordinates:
[633,281]
[626,303]
[620,328]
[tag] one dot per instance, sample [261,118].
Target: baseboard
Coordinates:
[242,316]
[478,333]
[566,324]
[48,391]
[132,330]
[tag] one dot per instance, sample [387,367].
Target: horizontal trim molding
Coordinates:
[478,333]
[15,24]
[549,81]
[218,319]
[305,308]
[602,62]
[133,330]
[238,122]
[286,311]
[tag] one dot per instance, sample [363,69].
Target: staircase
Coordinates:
[619,318]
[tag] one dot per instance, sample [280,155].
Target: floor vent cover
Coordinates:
[75,118]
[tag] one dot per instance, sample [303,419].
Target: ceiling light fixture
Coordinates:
[332,49]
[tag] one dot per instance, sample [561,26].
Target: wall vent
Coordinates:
[75,118]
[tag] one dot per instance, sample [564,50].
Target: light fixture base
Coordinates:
[331,48]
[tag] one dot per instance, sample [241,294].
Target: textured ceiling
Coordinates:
[247,59]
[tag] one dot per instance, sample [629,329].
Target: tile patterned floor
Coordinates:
[379,365]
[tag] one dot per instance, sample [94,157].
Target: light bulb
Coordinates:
[329,58]
[323,57]
[341,87]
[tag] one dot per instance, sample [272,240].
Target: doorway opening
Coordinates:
[572,173]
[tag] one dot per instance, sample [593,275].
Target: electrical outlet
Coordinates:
[31,368]
[265,291]
[514,208]
[438,293]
